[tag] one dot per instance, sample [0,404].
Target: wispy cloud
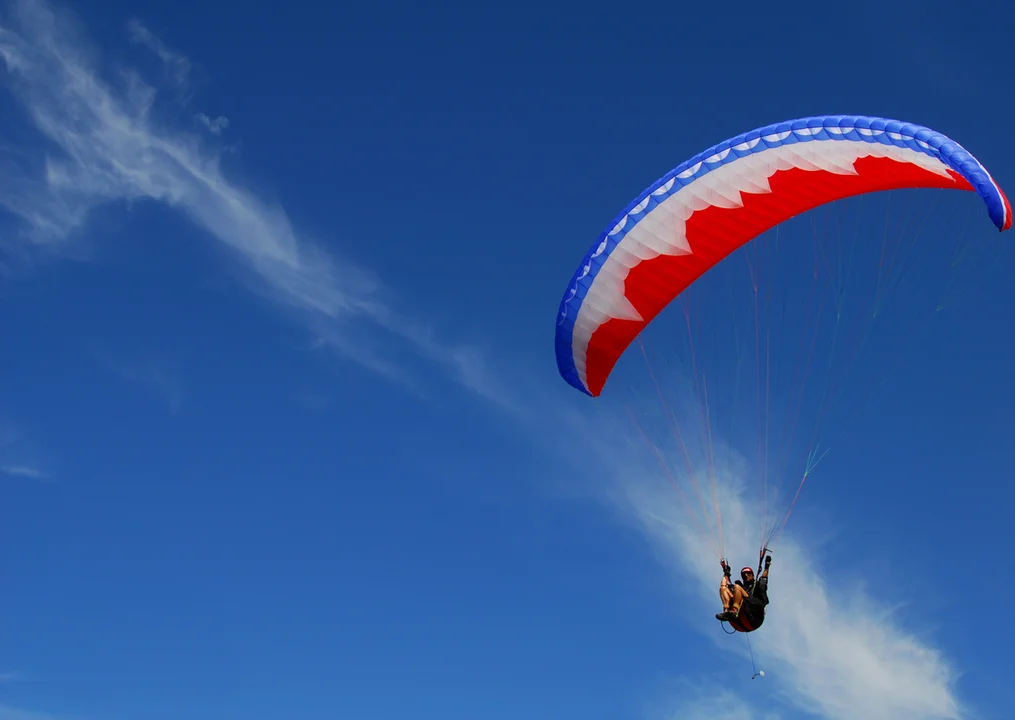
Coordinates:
[708,701]
[177,65]
[23,471]
[215,125]
[839,654]
[7,712]
[156,373]
[107,146]
[18,454]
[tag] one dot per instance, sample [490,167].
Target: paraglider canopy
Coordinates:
[707,207]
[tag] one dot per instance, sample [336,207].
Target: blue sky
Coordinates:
[280,425]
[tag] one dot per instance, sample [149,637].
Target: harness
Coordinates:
[741,623]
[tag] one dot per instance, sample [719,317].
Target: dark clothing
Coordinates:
[752,611]
[758,589]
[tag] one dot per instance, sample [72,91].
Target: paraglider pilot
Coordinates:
[744,601]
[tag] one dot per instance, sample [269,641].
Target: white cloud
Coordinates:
[24,471]
[177,65]
[698,701]
[16,453]
[838,654]
[7,712]
[107,146]
[156,373]
[215,125]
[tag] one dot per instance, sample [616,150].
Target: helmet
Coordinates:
[748,569]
